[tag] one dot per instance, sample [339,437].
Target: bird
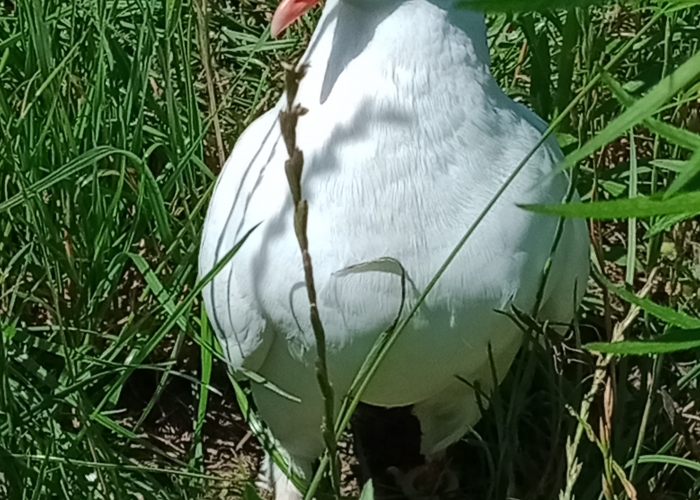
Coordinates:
[406,138]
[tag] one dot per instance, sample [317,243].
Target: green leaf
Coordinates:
[665,223]
[521,5]
[249,493]
[614,188]
[689,173]
[567,60]
[68,170]
[665,314]
[678,340]
[669,460]
[678,136]
[670,165]
[156,204]
[623,209]
[642,109]
[166,300]
[367,491]
[140,355]
[632,221]
[114,426]
[205,375]
[9,330]
[540,75]
[10,41]
[14,474]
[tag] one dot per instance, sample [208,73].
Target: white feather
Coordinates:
[406,139]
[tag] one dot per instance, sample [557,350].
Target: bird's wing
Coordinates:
[233,311]
[568,276]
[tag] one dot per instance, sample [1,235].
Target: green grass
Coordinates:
[114,117]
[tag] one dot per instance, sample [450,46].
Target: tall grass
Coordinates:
[114,117]
[108,158]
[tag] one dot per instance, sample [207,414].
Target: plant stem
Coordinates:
[294,167]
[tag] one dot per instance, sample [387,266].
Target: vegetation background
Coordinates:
[116,116]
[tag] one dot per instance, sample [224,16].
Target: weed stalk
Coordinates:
[294,167]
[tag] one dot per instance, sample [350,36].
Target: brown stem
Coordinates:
[294,167]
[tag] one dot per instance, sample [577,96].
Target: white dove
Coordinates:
[406,139]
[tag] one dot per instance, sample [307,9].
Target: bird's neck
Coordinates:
[426,37]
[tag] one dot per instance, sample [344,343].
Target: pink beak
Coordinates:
[288,12]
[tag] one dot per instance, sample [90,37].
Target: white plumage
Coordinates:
[406,139]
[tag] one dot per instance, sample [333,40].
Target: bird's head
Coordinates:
[287,12]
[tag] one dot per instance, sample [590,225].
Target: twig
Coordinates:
[519,65]
[294,167]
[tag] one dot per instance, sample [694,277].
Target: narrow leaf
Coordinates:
[669,460]
[690,173]
[367,491]
[665,314]
[521,5]
[678,136]
[644,108]
[622,209]
[679,340]
[66,171]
